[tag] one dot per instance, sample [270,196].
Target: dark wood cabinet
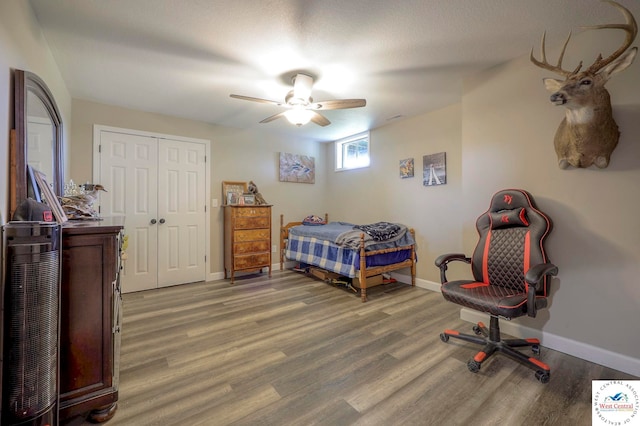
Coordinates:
[247,239]
[90,319]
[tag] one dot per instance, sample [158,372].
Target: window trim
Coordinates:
[339,149]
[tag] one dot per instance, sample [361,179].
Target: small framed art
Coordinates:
[249,199]
[232,198]
[406,168]
[434,167]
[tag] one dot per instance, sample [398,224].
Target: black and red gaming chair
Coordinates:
[510,272]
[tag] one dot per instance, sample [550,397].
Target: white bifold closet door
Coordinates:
[159,186]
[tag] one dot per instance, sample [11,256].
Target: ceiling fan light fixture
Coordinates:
[300,106]
[298,116]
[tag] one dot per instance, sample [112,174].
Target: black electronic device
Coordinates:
[30,324]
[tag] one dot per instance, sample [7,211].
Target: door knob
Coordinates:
[161,221]
[153,221]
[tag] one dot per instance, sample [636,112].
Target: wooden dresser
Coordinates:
[247,239]
[90,319]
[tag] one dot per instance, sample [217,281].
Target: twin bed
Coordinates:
[349,250]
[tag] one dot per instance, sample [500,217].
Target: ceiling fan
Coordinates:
[300,105]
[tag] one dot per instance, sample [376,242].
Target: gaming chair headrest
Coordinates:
[513,207]
[510,199]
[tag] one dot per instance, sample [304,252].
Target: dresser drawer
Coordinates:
[247,239]
[251,247]
[251,211]
[251,261]
[252,222]
[252,235]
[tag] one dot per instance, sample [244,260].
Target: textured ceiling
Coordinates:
[406,57]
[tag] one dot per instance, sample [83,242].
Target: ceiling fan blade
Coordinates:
[273,117]
[302,84]
[320,119]
[338,104]
[262,101]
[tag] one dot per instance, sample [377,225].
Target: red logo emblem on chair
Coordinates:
[504,219]
[508,198]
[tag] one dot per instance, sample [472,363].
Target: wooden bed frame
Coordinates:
[364,272]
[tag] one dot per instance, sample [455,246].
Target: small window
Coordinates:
[352,152]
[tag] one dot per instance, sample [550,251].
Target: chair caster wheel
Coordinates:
[473,366]
[535,349]
[542,376]
[477,330]
[444,337]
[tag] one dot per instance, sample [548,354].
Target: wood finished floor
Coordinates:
[292,350]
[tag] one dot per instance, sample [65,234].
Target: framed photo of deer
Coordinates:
[588,134]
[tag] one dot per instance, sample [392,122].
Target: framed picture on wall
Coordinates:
[406,168]
[434,167]
[297,168]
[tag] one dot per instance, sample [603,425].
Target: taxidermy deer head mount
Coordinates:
[588,134]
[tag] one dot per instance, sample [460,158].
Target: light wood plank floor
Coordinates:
[292,350]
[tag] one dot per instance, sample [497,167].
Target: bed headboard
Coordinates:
[284,234]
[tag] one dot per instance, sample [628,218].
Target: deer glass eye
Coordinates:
[585,82]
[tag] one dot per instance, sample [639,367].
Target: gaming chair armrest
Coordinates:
[534,278]
[535,274]
[443,260]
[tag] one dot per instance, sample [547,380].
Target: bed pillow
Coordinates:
[313,220]
[506,218]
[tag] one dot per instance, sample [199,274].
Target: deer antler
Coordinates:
[630,27]
[546,65]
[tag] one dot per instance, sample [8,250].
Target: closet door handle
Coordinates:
[161,221]
[153,221]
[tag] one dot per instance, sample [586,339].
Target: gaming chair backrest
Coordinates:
[511,240]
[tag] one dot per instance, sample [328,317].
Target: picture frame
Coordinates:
[237,188]
[32,185]
[232,198]
[406,168]
[297,168]
[249,199]
[49,197]
[434,169]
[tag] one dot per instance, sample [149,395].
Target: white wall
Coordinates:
[23,46]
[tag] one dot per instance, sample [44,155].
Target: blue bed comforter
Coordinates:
[348,235]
